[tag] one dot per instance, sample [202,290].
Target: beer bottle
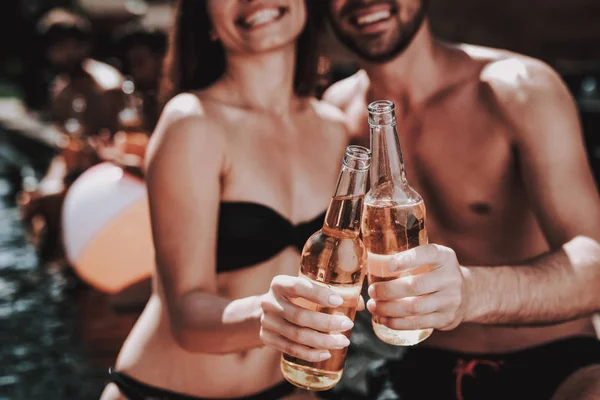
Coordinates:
[393,218]
[335,257]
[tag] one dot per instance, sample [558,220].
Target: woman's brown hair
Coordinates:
[194,61]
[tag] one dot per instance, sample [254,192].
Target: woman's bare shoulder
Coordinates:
[185,124]
[184,106]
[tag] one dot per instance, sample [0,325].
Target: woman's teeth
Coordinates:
[373,17]
[262,17]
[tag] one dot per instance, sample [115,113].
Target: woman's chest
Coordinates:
[291,167]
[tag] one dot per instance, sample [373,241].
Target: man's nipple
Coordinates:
[481,208]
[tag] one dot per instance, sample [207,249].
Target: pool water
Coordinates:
[41,352]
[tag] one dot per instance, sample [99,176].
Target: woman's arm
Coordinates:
[186,162]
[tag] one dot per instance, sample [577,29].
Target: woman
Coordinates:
[239,175]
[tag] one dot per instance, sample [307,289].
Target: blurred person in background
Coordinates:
[492,141]
[240,169]
[84,88]
[85,100]
[142,50]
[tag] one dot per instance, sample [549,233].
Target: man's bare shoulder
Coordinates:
[106,76]
[521,88]
[512,73]
[342,93]
[519,80]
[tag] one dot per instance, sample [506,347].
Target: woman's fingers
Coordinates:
[293,349]
[303,317]
[303,336]
[294,287]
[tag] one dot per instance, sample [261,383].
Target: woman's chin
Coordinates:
[267,38]
[268,45]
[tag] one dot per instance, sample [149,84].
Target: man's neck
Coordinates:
[411,77]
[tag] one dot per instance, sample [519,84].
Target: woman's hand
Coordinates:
[299,331]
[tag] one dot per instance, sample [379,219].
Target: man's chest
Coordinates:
[465,172]
[461,160]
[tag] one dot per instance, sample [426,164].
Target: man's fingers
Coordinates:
[408,286]
[307,318]
[293,349]
[434,320]
[407,306]
[296,287]
[303,336]
[427,254]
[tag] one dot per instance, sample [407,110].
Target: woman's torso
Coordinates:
[289,165]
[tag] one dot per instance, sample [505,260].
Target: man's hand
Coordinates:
[432,299]
[299,331]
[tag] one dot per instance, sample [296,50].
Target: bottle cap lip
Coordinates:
[381,107]
[357,157]
[381,112]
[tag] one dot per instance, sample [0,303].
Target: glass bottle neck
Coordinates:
[344,212]
[387,165]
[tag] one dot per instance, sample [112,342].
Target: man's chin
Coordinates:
[381,57]
[372,54]
[374,48]
[390,43]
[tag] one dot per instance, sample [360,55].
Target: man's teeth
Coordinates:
[374,17]
[262,16]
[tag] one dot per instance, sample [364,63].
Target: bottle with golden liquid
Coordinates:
[394,214]
[335,257]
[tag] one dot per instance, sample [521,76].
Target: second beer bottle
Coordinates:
[393,216]
[335,257]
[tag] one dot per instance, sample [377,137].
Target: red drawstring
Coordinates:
[464,368]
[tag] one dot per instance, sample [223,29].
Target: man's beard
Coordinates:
[404,38]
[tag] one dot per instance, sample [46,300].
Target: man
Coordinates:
[85,99]
[141,49]
[84,88]
[492,141]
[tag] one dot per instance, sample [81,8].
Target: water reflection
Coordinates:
[41,352]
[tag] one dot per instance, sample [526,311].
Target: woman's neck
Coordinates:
[263,82]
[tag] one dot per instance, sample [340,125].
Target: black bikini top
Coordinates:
[251,233]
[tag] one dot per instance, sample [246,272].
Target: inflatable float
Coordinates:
[106,229]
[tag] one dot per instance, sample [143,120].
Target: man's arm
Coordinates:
[564,283]
[349,95]
[557,286]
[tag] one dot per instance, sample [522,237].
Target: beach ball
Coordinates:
[106,228]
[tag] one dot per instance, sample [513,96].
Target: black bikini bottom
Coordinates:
[136,390]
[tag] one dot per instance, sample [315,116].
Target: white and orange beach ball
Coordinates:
[106,228]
